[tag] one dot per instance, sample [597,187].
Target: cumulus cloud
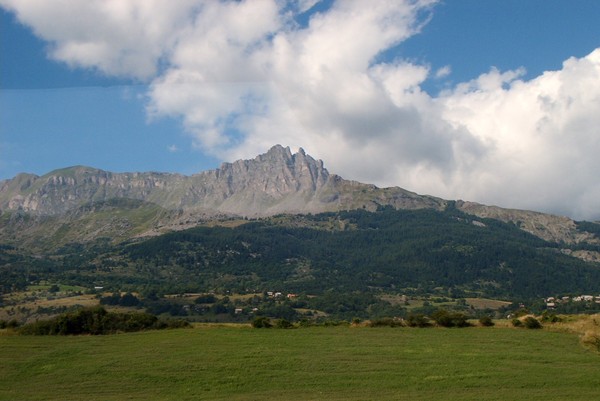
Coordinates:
[543,134]
[244,75]
[443,72]
[125,38]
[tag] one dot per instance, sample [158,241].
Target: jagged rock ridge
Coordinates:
[275,182]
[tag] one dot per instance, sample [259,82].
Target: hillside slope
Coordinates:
[386,251]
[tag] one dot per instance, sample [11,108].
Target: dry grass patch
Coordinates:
[484,303]
[83,300]
[394,299]
[587,327]
[27,309]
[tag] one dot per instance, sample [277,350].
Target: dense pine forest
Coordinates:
[389,251]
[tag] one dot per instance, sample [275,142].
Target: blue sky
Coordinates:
[54,116]
[395,94]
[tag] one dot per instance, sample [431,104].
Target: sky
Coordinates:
[493,101]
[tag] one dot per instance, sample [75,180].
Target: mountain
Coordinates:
[81,204]
[281,222]
[82,200]
[275,182]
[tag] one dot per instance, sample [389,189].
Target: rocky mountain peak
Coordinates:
[278,181]
[276,173]
[277,153]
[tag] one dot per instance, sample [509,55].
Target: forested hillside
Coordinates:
[388,251]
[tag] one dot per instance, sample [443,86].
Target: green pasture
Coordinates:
[62,287]
[317,363]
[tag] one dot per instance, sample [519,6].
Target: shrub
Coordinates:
[522,312]
[115,322]
[445,318]
[335,323]
[129,300]
[516,322]
[306,323]
[284,324]
[417,320]
[172,324]
[96,321]
[385,322]
[532,323]
[111,299]
[486,321]
[11,324]
[261,322]
[206,299]
[550,317]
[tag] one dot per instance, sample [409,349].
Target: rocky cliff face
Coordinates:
[275,182]
[546,226]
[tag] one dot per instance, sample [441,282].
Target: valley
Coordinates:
[280,223]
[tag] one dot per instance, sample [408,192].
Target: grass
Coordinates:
[45,287]
[334,363]
[23,306]
[413,303]
[484,303]
[586,326]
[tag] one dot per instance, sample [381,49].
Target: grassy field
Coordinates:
[333,363]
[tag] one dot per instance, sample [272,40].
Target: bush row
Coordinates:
[529,323]
[441,317]
[9,324]
[98,320]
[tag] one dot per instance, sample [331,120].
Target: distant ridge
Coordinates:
[82,203]
[275,182]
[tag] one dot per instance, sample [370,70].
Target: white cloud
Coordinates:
[305,5]
[243,75]
[116,37]
[443,72]
[543,134]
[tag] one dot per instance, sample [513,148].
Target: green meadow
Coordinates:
[316,363]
